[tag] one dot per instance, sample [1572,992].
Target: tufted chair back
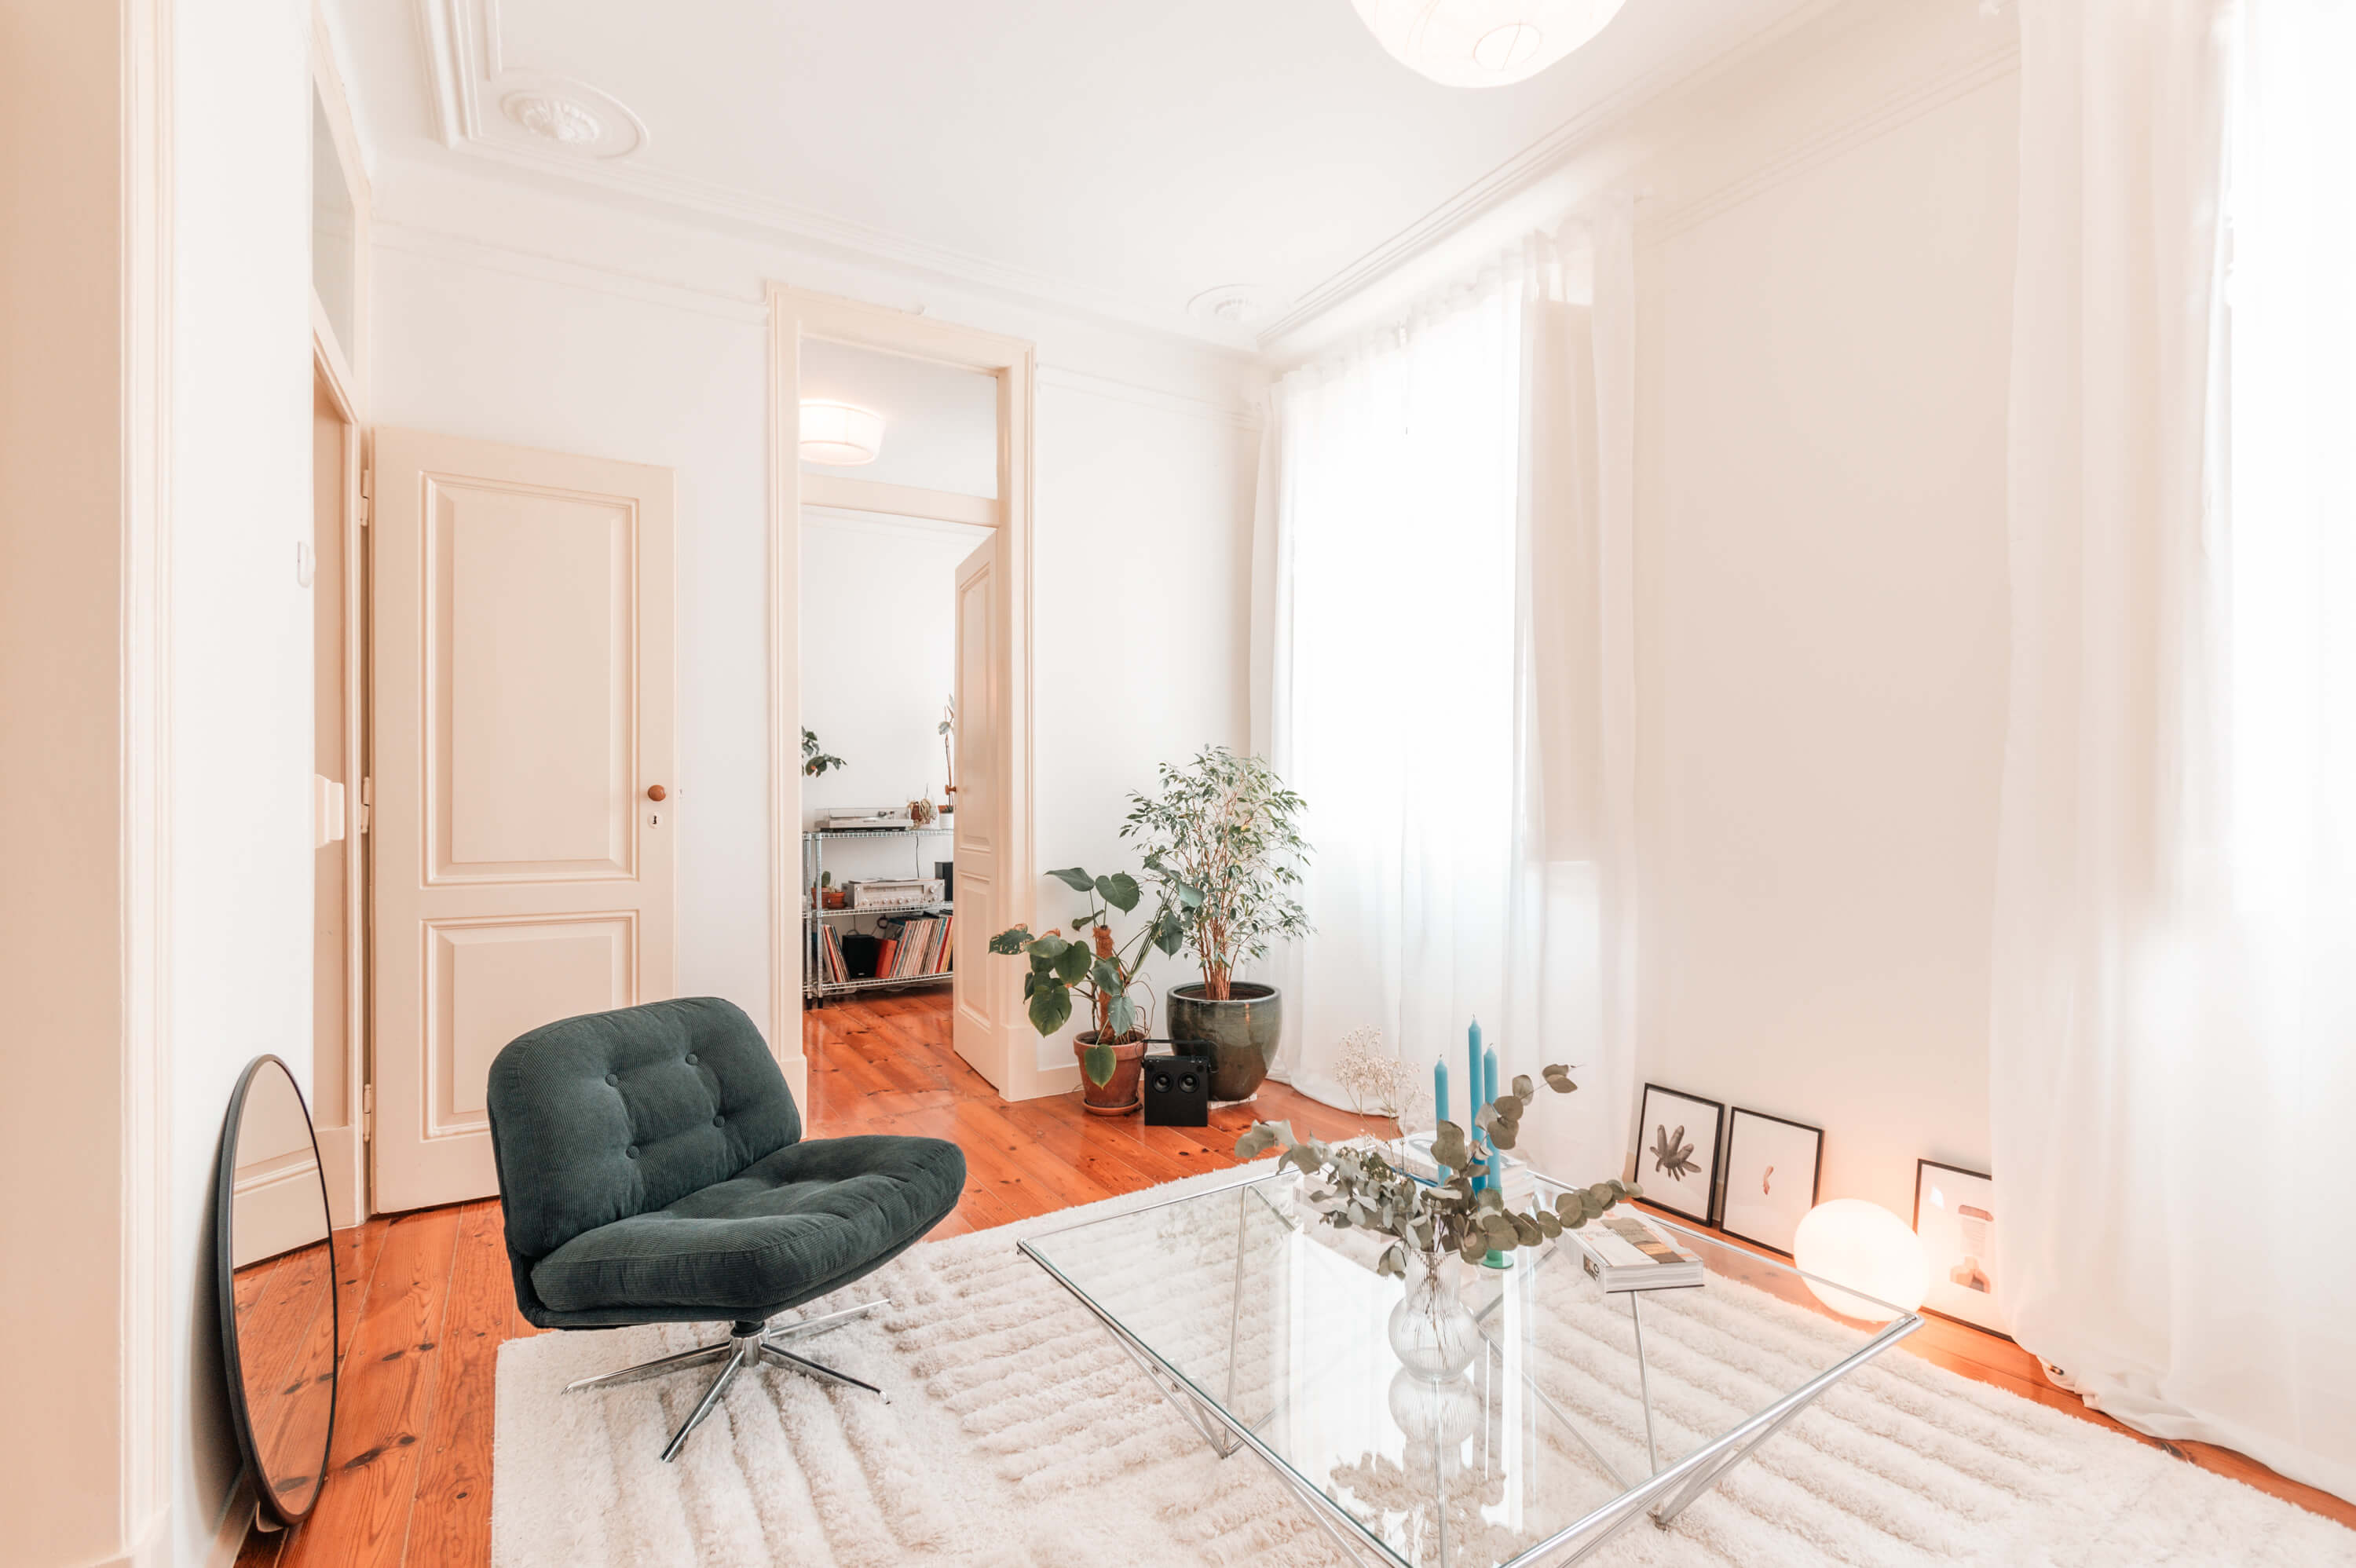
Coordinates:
[597,1118]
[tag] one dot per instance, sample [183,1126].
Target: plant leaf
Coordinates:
[1558,1077]
[1072,964]
[1523,1087]
[1049,947]
[1079,881]
[1124,1016]
[1119,889]
[1007,942]
[1527,1230]
[1051,1006]
[1257,1140]
[1448,1146]
[1098,1061]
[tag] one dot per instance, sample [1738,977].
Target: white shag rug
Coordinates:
[1020,1436]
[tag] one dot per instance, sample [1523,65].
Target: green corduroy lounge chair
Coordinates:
[652,1169]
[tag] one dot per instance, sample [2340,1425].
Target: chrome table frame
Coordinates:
[1663,1496]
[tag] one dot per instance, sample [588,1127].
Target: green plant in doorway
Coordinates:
[816,762]
[1222,836]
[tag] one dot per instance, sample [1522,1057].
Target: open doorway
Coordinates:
[878,661]
[905,468]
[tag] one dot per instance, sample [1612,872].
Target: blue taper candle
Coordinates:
[1489,1097]
[1473,1092]
[1439,1091]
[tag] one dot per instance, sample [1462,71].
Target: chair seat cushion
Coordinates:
[794,1225]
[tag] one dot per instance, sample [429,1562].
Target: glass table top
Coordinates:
[1275,1326]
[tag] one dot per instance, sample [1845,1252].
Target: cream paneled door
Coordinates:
[522,769]
[977,1027]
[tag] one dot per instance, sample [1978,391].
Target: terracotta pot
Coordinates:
[1239,1032]
[1120,1094]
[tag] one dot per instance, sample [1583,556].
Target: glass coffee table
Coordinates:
[1585,1412]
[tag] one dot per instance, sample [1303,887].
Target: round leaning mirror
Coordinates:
[277,1278]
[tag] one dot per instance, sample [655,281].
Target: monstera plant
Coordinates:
[1097,968]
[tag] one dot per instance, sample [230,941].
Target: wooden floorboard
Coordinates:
[425,1298]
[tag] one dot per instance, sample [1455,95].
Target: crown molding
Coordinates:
[1541,159]
[468,251]
[1242,416]
[1904,104]
[461,46]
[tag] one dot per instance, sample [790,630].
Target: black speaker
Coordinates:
[1177,1091]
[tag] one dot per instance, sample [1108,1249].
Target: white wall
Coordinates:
[878,619]
[490,321]
[1141,624]
[240,641]
[1821,522]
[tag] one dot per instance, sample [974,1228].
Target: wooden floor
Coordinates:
[427,1299]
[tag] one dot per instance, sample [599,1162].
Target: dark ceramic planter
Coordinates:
[1241,1033]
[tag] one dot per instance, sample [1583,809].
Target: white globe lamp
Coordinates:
[1483,43]
[1849,1242]
[842,434]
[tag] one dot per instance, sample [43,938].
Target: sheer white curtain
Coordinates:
[1443,586]
[2173,1060]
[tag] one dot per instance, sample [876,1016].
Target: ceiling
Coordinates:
[1128,157]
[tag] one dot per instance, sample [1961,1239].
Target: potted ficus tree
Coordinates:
[1222,837]
[1102,972]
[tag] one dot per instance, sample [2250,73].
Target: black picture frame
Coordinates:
[1653,1191]
[1995,1311]
[1815,1173]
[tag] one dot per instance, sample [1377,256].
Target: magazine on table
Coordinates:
[1622,1252]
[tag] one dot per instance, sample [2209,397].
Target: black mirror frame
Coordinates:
[225,1182]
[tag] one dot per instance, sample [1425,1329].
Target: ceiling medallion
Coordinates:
[1483,43]
[561,119]
[571,118]
[1237,304]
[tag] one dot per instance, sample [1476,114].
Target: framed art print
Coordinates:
[1954,1213]
[1676,1151]
[1772,1170]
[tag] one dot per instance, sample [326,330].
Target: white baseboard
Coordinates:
[237,1517]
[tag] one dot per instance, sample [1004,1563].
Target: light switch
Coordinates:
[304,567]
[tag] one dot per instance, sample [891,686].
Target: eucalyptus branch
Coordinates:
[1363,1190]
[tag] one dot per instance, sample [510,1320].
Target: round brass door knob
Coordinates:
[656,792]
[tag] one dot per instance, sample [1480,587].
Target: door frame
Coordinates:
[794,314]
[343,1127]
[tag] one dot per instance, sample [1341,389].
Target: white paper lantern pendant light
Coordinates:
[1483,43]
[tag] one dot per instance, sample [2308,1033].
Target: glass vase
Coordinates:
[1433,1332]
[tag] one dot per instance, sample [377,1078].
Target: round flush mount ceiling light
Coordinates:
[1483,43]
[842,434]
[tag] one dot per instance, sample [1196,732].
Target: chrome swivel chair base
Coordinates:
[748,1344]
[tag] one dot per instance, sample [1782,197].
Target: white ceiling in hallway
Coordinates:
[1124,157]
